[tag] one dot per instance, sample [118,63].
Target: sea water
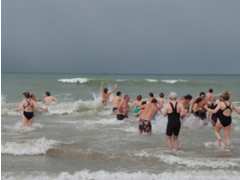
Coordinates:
[79,139]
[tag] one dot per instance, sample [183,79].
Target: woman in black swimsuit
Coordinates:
[224,111]
[27,106]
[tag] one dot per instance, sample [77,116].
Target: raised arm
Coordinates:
[236,109]
[114,88]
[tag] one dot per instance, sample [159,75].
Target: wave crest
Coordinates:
[105,175]
[28,147]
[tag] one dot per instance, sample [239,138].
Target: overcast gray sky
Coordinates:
[121,36]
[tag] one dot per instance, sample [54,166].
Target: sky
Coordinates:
[121,36]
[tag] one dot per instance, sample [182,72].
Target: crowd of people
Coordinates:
[207,106]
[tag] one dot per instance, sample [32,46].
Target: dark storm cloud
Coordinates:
[123,36]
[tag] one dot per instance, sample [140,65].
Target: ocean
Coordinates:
[79,139]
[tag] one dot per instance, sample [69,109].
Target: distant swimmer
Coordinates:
[224,111]
[123,108]
[116,101]
[146,116]
[105,94]
[27,106]
[137,105]
[173,111]
[48,99]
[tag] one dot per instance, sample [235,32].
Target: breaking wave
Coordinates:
[28,147]
[105,175]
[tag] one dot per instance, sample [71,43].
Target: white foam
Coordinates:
[173,81]
[104,175]
[71,107]
[151,80]
[28,147]
[121,80]
[191,162]
[74,80]
[18,127]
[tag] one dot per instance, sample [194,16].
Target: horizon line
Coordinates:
[108,73]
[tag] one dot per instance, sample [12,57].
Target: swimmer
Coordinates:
[105,94]
[27,106]
[186,103]
[161,101]
[123,108]
[151,97]
[173,111]
[48,99]
[116,101]
[210,95]
[224,109]
[147,116]
[198,106]
[137,105]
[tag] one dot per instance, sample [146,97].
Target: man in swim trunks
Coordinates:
[48,99]
[174,112]
[116,101]
[27,106]
[105,94]
[123,108]
[198,106]
[146,117]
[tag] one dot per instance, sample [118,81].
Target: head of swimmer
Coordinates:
[119,93]
[172,96]
[27,95]
[47,93]
[225,96]
[139,97]
[105,90]
[188,97]
[161,95]
[202,94]
[151,95]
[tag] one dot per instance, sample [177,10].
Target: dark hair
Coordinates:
[154,100]
[161,95]
[151,94]
[202,94]
[139,97]
[105,90]
[27,95]
[198,100]
[210,90]
[119,93]
[225,96]
[144,102]
[188,97]
[48,93]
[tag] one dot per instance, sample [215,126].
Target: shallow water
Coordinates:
[78,139]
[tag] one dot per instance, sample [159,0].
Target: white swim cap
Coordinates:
[172,95]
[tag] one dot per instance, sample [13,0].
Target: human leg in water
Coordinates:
[227,134]
[217,130]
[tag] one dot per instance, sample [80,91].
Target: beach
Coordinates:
[79,139]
